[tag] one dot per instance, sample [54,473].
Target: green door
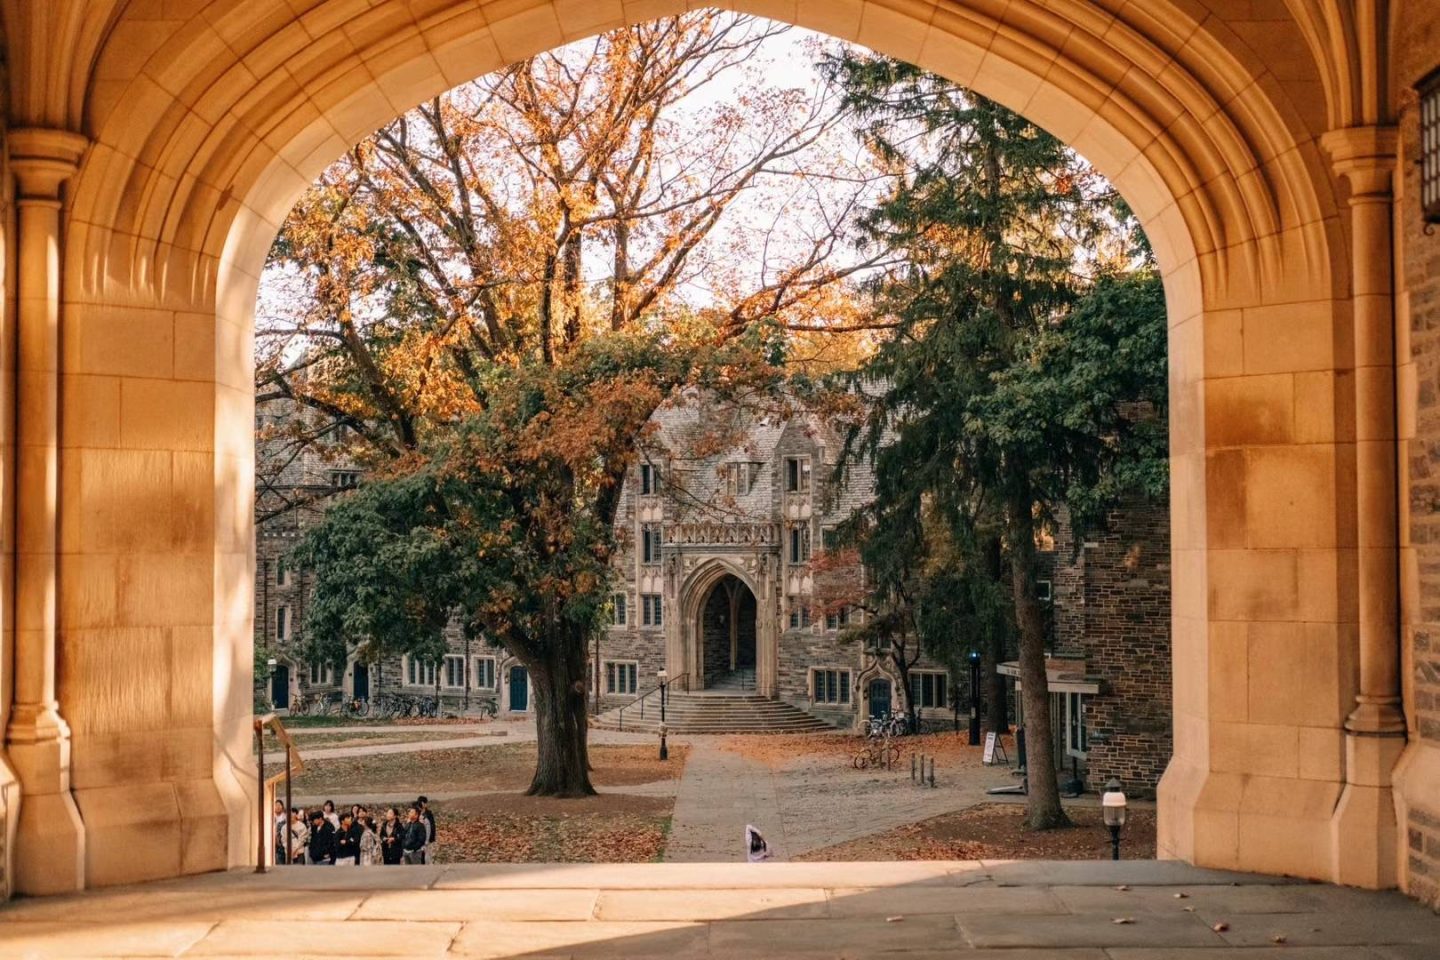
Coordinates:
[519,689]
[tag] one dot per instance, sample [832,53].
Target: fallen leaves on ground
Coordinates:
[950,751]
[997,831]
[609,828]
[478,769]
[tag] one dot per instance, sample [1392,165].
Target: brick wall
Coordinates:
[1112,607]
[1419,304]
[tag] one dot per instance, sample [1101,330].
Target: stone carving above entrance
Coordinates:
[716,533]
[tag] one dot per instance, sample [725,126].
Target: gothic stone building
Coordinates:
[715,584]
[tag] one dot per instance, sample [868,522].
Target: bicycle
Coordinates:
[357,707]
[878,752]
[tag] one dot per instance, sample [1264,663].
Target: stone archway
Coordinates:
[203,126]
[727,633]
[716,600]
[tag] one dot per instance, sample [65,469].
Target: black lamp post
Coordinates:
[1112,805]
[270,680]
[974,659]
[664,747]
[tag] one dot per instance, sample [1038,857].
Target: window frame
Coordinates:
[830,686]
[651,542]
[479,673]
[284,623]
[282,572]
[322,674]
[934,682]
[837,619]
[428,671]
[799,546]
[621,670]
[797,474]
[649,480]
[1044,591]
[444,672]
[1429,143]
[652,610]
[619,612]
[800,617]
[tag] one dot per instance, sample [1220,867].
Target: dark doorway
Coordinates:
[727,634]
[362,682]
[280,687]
[519,689]
[879,698]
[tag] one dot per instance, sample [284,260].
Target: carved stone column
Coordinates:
[1364,825]
[50,841]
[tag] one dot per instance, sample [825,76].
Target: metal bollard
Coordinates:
[912,768]
[932,771]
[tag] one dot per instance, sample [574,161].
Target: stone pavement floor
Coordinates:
[978,910]
[806,804]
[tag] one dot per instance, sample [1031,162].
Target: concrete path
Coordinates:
[492,736]
[720,792]
[955,910]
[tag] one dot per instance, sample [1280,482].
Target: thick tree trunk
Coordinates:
[563,766]
[1042,802]
[997,718]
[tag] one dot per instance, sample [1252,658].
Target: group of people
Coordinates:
[353,837]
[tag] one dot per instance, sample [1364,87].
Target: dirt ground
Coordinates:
[779,751]
[504,767]
[997,831]
[313,739]
[609,828]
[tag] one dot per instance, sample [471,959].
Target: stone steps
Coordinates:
[714,711]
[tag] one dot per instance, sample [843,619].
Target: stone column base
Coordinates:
[50,845]
[1233,821]
[1363,831]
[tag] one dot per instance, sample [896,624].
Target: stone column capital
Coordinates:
[1365,157]
[43,158]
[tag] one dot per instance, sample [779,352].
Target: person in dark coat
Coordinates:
[416,834]
[428,817]
[322,839]
[392,835]
[347,840]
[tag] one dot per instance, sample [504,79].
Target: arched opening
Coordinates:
[727,634]
[196,162]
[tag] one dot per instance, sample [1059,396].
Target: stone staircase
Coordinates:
[729,706]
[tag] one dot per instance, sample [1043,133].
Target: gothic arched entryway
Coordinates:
[727,632]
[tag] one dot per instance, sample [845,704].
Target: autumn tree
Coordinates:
[999,399]
[485,301]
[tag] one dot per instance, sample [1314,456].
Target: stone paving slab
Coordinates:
[78,937]
[700,876]
[784,903]
[909,911]
[484,939]
[1087,930]
[835,937]
[909,901]
[328,938]
[1052,873]
[462,905]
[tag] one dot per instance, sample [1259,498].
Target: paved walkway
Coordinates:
[904,911]
[805,804]
[720,792]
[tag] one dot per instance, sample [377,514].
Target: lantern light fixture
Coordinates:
[1112,807]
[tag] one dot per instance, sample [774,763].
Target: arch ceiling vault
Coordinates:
[178,134]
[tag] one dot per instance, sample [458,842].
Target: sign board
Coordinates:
[990,740]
